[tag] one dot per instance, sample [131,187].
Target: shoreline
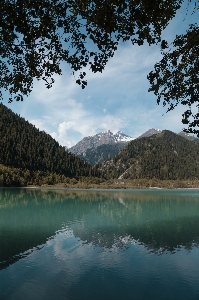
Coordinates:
[58,187]
[138,184]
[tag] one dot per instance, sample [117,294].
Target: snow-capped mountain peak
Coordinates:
[101,138]
[120,136]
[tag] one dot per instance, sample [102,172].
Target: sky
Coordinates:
[116,99]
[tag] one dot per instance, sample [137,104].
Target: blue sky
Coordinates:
[117,99]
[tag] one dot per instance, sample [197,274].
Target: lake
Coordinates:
[99,244]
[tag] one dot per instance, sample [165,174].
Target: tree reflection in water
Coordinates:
[160,220]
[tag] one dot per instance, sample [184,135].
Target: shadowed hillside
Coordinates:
[163,156]
[24,147]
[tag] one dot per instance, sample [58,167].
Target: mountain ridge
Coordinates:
[101,146]
[105,145]
[32,157]
[166,155]
[106,137]
[34,153]
[149,133]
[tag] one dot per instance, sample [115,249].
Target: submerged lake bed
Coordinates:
[99,244]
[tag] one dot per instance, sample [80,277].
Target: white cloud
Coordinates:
[69,132]
[63,87]
[112,123]
[39,123]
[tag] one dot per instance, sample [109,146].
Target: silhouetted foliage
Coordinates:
[175,79]
[36,36]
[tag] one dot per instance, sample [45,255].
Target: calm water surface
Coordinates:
[67,244]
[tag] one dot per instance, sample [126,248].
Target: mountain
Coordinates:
[99,139]
[101,146]
[189,137]
[105,145]
[153,131]
[29,156]
[165,155]
[150,132]
[25,149]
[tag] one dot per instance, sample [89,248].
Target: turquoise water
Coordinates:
[69,244]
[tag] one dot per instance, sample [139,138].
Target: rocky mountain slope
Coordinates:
[149,132]
[99,139]
[165,155]
[101,146]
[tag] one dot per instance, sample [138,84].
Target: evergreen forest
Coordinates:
[30,156]
[165,156]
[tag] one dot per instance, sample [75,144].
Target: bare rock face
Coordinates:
[99,139]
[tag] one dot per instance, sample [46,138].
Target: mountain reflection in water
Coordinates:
[159,220]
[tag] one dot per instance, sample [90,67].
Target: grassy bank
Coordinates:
[128,184]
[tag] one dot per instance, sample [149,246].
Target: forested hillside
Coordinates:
[163,156]
[26,148]
[32,157]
